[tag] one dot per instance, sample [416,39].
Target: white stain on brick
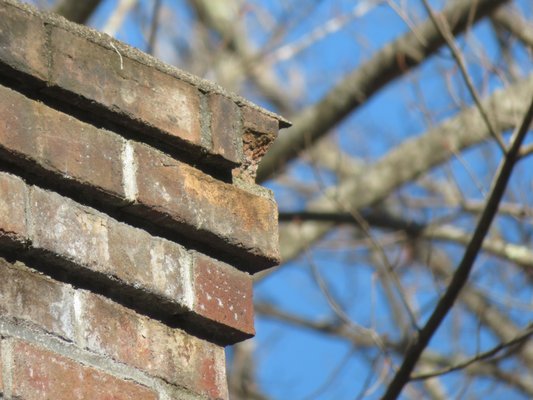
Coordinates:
[188,289]
[129,171]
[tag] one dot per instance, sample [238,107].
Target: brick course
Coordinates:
[130,220]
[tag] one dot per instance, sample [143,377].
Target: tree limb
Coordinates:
[462,272]
[392,61]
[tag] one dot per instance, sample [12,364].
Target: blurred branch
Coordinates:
[154,25]
[390,62]
[407,162]
[77,11]
[430,359]
[462,272]
[444,30]
[525,334]
[514,24]
[116,19]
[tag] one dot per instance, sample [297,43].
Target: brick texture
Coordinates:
[39,374]
[13,195]
[60,144]
[223,294]
[106,77]
[104,327]
[130,220]
[22,42]
[217,212]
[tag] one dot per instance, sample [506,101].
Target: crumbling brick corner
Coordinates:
[130,222]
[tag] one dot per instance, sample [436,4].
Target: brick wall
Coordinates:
[129,218]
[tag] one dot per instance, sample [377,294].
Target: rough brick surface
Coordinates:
[125,86]
[226,127]
[39,374]
[223,294]
[150,346]
[13,196]
[217,212]
[59,143]
[22,42]
[259,132]
[104,327]
[30,297]
[115,175]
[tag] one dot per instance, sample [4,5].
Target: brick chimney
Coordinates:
[129,218]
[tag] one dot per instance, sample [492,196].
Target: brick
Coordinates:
[60,144]
[125,86]
[150,263]
[223,294]
[22,42]
[152,347]
[219,214]
[28,296]
[73,232]
[225,127]
[13,198]
[40,374]
[256,121]
[92,240]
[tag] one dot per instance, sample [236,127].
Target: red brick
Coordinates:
[13,198]
[125,86]
[22,42]
[39,374]
[225,127]
[219,213]
[223,294]
[151,346]
[31,297]
[60,144]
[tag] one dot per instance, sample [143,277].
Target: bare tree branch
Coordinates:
[515,24]
[525,334]
[462,272]
[408,161]
[392,61]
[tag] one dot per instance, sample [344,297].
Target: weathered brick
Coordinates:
[60,144]
[73,232]
[40,374]
[125,86]
[153,264]
[256,121]
[223,294]
[31,297]
[13,198]
[219,214]
[151,346]
[225,127]
[22,42]
[259,131]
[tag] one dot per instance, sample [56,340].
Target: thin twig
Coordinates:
[481,356]
[442,26]
[462,273]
